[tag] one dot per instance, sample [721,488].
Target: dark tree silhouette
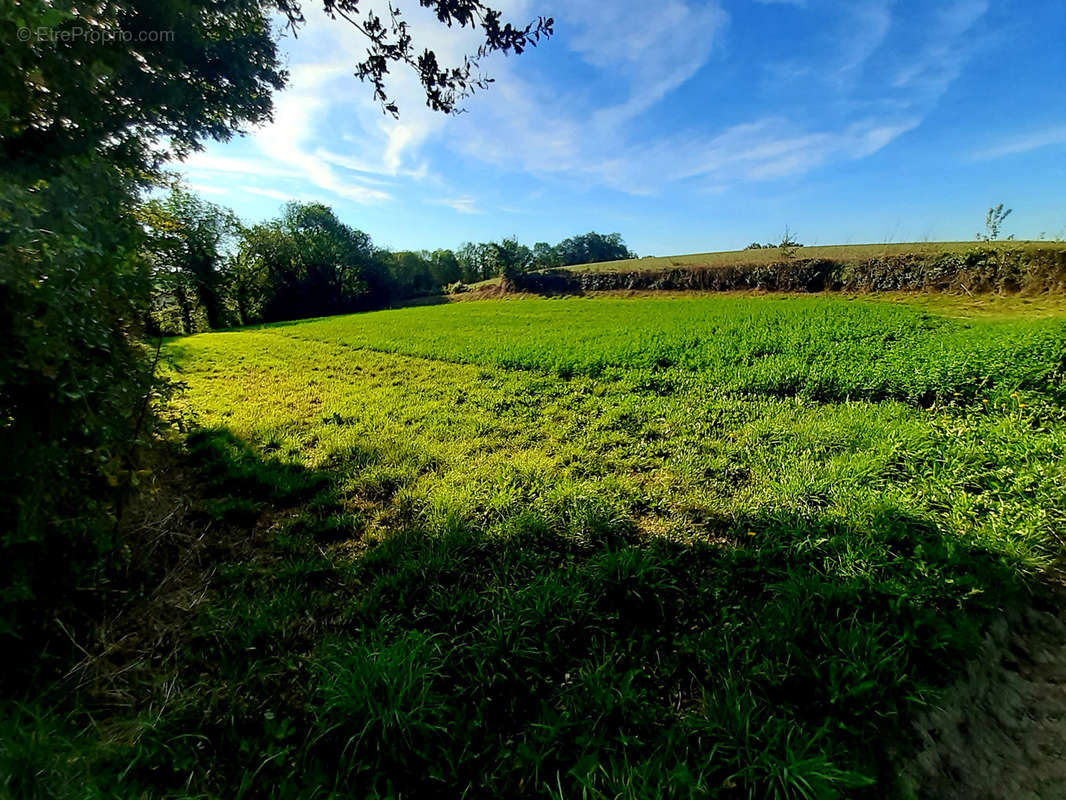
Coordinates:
[390,42]
[96,97]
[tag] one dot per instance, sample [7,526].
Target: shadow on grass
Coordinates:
[556,653]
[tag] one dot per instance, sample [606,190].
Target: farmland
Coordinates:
[983,268]
[770,255]
[348,455]
[659,546]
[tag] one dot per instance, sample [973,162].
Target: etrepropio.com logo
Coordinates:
[92,35]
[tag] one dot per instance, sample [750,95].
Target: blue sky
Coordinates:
[686,126]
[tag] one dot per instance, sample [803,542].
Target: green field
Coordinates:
[656,547]
[770,255]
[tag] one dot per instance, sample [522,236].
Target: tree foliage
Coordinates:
[591,248]
[209,271]
[81,139]
[312,263]
[88,118]
[513,259]
[788,244]
[189,245]
[994,220]
[390,43]
[73,378]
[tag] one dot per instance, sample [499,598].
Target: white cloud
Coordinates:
[871,103]
[283,196]
[866,28]
[655,49]
[647,51]
[877,81]
[927,71]
[464,204]
[329,134]
[204,188]
[273,194]
[367,172]
[849,34]
[202,162]
[762,150]
[300,112]
[1023,143]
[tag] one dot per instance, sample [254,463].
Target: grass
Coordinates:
[770,255]
[669,547]
[814,347]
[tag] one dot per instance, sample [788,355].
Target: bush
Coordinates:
[980,269]
[74,382]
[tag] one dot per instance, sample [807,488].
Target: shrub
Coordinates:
[74,381]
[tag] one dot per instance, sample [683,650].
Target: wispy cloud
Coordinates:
[204,188]
[876,75]
[762,150]
[256,167]
[285,196]
[647,53]
[291,139]
[654,49]
[464,204]
[875,100]
[1023,143]
[866,27]
[927,70]
[274,194]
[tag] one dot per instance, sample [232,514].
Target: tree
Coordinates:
[478,262]
[390,42]
[545,256]
[512,255]
[85,130]
[312,263]
[191,242]
[248,286]
[411,273]
[593,247]
[444,267]
[994,221]
[513,259]
[788,244]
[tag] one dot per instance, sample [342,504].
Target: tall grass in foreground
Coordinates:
[502,551]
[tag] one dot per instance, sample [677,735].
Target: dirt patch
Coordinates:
[486,291]
[1001,731]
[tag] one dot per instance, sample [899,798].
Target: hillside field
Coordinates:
[770,255]
[1032,268]
[677,546]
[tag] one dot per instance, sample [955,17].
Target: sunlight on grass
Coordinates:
[544,546]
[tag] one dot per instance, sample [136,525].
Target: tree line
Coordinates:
[85,263]
[210,271]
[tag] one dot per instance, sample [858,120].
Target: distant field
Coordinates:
[816,347]
[840,252]
[652,547]
[765,256]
